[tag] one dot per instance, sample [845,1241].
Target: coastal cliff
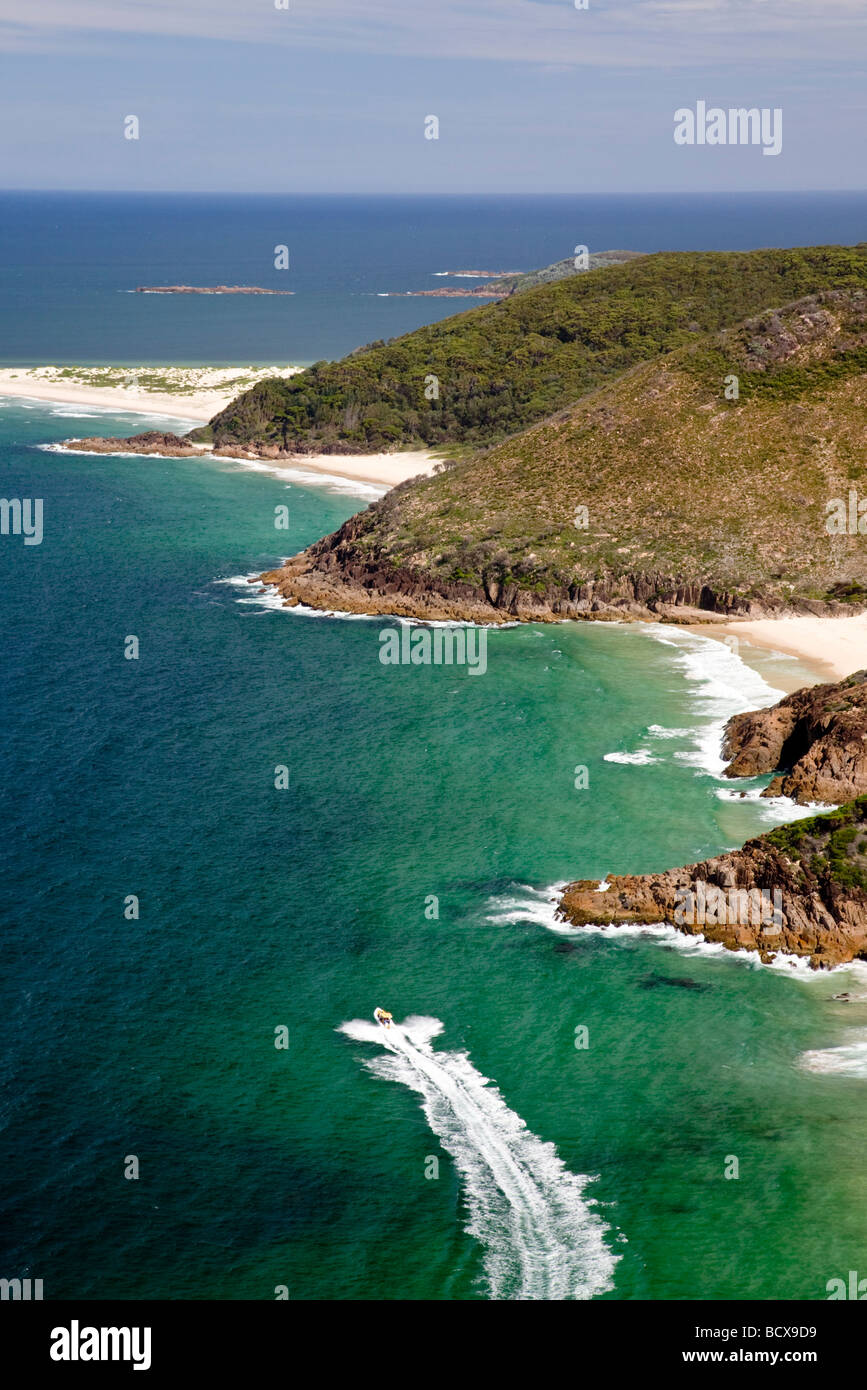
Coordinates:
[333,574]
[816,739]
[800,889]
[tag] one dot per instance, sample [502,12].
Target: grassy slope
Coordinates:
[677,480]
[504,366]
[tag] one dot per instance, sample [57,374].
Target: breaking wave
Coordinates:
[848,1060]
[723,685]
[524,903]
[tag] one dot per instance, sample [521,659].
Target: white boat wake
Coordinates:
[541,1239]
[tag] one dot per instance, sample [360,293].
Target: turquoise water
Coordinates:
[305,907]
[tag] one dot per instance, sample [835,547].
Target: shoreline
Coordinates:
[196,393]
[370,472]
[197,406]
[830,646]
[379,470]
[833,648]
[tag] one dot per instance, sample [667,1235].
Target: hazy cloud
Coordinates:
[612,33]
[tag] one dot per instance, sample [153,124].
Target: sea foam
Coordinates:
[723,685]
[523,903]
[850,1059]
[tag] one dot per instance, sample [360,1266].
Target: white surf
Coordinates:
[723,685]
[848,1060]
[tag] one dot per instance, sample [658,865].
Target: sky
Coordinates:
[531,96]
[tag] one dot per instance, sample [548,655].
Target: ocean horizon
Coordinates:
[69,262]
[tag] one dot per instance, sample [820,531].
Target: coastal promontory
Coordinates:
[474,379]
[698,485]
[815,740]
[800,889]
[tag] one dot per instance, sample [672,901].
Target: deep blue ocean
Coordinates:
[155,1141]
[68,262]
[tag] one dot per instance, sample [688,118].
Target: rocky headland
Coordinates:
[169,445]
[815,740]
[502,284]
[800,889]
[148,442]
[446,292]
[653,497]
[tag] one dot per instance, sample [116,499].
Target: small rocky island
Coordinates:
[207,289]
[801,888]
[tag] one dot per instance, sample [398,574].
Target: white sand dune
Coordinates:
[186,393]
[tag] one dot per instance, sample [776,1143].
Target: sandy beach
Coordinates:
[833,647]
[196,394]
[186,393]
[384,469]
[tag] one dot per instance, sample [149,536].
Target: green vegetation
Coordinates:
[826,845]
[657,477]
[502,367]
[560,270]
[785,354]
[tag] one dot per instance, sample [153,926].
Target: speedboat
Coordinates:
[383,1017]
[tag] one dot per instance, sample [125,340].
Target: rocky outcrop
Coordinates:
[171,446]
[801,890]
[359,586]
[150,442]
[815,739]
[207,289]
